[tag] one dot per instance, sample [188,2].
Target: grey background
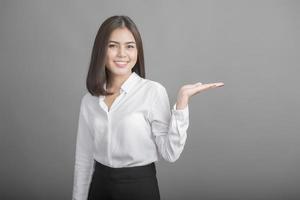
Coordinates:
[243,140]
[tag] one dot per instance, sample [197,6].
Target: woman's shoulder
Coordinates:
[156,90]
[87,97]
[154,85]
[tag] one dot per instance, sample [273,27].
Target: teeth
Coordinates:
[121,62]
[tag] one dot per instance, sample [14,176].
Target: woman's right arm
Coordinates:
[83,157]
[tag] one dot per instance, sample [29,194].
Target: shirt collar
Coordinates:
[129,82]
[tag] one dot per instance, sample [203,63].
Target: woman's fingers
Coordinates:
[219,84]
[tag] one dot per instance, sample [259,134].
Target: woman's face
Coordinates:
[121,53]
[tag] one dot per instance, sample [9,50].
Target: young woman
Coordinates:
[125,122]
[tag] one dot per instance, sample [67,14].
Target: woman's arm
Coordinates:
[170,128]
[84,157]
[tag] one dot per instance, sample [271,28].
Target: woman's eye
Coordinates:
[114,46]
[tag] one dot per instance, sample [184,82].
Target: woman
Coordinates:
[125,123]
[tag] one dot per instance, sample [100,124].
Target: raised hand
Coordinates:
[189,90]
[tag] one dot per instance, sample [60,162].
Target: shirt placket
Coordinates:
[109,122]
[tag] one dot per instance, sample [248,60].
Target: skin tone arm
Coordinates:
[187,91]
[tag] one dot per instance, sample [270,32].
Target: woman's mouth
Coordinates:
[121,63]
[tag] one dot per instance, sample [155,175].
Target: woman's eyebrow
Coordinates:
[119,43]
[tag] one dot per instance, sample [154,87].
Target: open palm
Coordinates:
[192,89]
[189,90]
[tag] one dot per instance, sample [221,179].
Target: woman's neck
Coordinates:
[115,82]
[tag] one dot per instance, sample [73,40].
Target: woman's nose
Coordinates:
[121,52]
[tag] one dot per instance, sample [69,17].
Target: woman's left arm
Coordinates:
[170,127]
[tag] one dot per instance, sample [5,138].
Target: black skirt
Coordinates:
[132,183]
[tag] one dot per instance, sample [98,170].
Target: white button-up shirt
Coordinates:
[138,129]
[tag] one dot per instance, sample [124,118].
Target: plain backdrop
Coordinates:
[243,141]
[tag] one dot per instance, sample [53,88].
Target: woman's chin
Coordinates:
[120,71]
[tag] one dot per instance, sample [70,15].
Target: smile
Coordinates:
[121,63]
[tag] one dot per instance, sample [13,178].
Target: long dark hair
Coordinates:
[97,74]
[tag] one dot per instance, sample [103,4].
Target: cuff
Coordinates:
[181,114]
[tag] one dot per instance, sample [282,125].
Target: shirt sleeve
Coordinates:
[84,162]
[168,126]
